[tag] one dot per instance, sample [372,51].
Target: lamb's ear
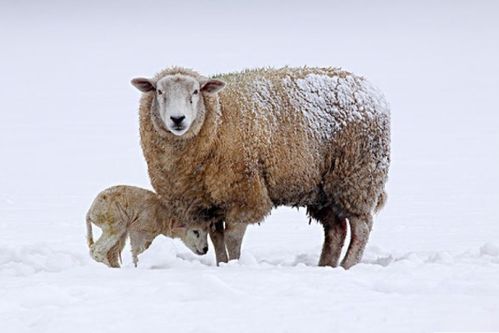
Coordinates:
[178,227]
[212,86]
[143,84]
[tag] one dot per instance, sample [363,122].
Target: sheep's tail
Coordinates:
[90,237]
[381,201]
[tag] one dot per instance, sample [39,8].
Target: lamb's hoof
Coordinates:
[99,257]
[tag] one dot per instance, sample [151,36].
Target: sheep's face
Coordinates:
[196,239]
[179,102]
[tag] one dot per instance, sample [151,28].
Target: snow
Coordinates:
[312,96]
[262,93]
[69,128]
[308,94]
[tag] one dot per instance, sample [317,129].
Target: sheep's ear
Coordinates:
[143,84]
[212,86]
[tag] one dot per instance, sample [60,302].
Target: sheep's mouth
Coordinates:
[200,252]
[178,130]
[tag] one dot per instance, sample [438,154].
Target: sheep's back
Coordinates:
[286,123]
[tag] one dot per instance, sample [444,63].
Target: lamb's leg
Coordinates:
[139,242]
[114,254]
[335,231]
[360,228]
[100,249]
[217,238]
[234,233]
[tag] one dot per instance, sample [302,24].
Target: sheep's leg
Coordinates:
[360,228]
[217,238]
[234,233]
[335,231]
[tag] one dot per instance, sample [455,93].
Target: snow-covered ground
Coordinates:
[69,128]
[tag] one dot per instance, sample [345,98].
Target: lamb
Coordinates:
[122,211]
[231,147]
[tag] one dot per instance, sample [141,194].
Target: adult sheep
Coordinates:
[232,147]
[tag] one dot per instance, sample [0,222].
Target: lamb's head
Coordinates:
[179,104]
[194,237]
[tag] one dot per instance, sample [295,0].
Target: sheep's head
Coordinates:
[178,104]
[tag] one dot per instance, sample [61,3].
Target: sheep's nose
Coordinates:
[177,120]
[205,249]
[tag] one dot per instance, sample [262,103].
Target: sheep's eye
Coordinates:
[195,232]
[195,92]
[160,92]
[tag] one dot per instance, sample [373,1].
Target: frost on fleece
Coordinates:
[308,112]
[352,93]
[307,91]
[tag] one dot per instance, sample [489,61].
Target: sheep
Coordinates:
[122,211]
[231,147]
